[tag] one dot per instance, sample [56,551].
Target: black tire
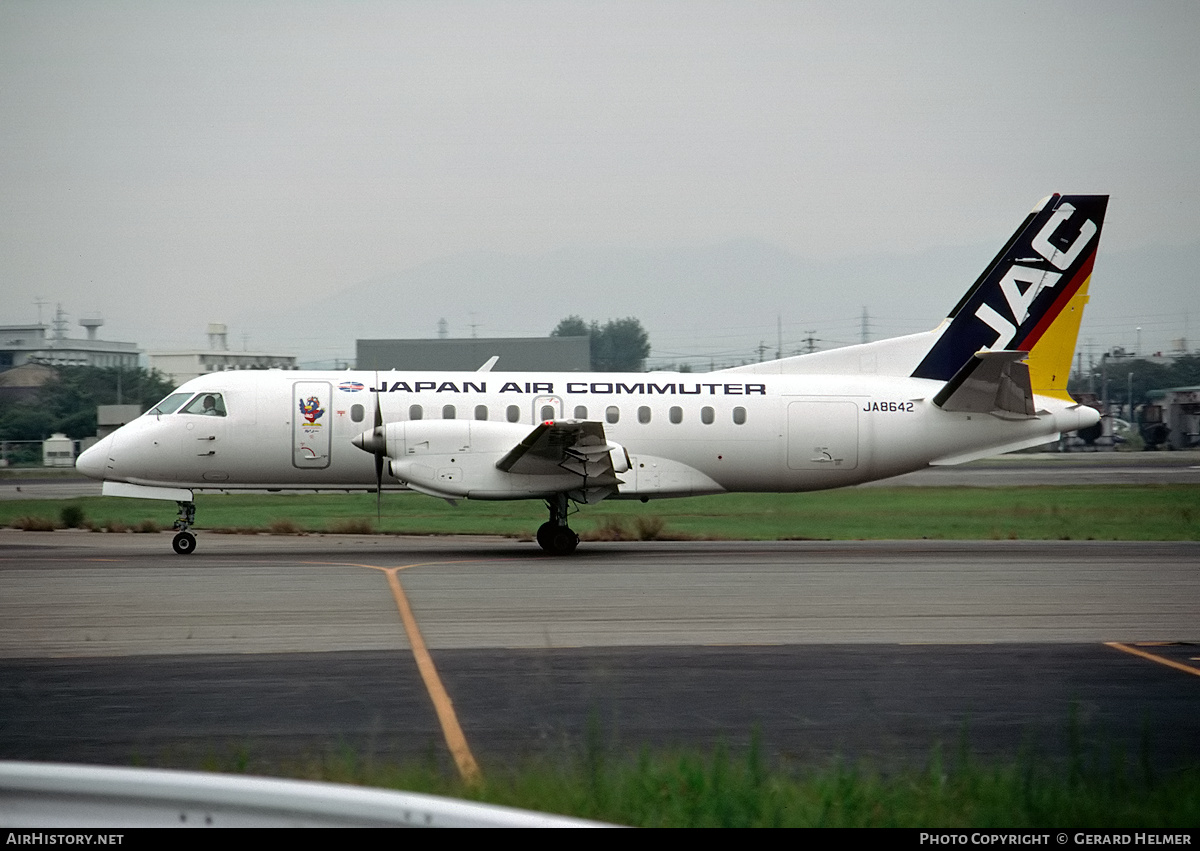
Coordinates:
[565,541]
[545,536]
[184,543]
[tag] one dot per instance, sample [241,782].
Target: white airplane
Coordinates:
[989,379]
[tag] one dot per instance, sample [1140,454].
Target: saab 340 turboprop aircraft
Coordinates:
[992,378]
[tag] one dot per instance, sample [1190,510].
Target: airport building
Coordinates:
[48,345]
[22,383]
[1172,418]
[181,366]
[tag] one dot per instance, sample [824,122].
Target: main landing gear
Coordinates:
[184,542]
[555,536]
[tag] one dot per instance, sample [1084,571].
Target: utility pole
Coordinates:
[1091,367]
[1104,382]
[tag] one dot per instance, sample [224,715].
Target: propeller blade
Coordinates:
[379,450]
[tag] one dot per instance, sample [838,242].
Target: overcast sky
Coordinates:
[165,163]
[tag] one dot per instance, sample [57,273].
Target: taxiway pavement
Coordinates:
[114,649]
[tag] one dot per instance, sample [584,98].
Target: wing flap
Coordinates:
[550,442]
[577,446]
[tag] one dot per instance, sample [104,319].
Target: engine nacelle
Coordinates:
[447,437]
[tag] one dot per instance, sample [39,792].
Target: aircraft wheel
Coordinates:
[545,536]
[184,543]
[565,541]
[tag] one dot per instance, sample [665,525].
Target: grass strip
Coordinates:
[718,788]
[1083,512]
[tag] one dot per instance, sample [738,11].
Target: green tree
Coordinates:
[1146,376]
[624,346]
[68,402]
[572,326]
[25,422]
[620,345]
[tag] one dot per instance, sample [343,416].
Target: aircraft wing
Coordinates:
[990,382]
[577,446]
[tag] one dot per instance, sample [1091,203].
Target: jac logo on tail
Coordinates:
[1021,285]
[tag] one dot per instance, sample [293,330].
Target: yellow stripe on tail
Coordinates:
[1050,359]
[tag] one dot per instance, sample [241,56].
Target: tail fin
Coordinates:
[1030,298]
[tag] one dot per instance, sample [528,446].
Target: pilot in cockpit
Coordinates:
[209,405]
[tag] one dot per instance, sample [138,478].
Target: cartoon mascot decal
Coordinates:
[310,408]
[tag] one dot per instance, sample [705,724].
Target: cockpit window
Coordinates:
[206,404]
[170,404]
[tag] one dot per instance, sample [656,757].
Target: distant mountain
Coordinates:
[715,301]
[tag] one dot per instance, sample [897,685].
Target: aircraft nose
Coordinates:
[94,462]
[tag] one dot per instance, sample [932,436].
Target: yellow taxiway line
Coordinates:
[456,740]
[1170,663]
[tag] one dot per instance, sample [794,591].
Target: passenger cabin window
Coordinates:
[644,415]
[581,412]
[676,414]
[415,412]
[448,412]
[356,413]
[206,404]
[170,404]
[547,412]
[706,415]
[739,416]
[513,413]
[612,415]
[481,412]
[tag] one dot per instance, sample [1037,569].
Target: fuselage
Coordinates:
[683,433]
[990,378]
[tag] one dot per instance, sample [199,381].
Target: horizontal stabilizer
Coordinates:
[990,382]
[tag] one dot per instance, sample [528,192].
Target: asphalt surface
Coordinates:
[269,650]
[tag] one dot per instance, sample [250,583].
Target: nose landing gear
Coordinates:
[184,542]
